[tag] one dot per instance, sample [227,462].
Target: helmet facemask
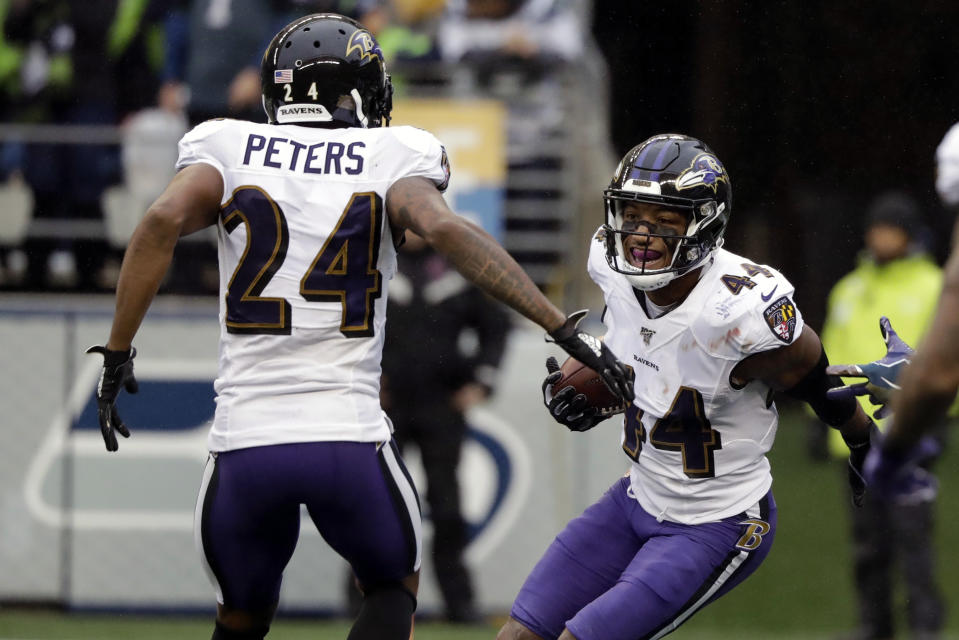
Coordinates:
[677,173]
[688,251]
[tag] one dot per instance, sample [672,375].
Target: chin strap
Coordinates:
[358,101]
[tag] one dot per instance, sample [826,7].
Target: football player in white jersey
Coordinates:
[308,210]
[710,336]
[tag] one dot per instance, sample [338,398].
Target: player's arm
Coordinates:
[414,203]
[189,203]
[929,383]
[799,370]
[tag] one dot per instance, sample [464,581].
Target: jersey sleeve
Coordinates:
[747,320]
[203,144]
[428,157]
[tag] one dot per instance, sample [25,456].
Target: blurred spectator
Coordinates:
[528,31]
[406,29]
[896,278]
[214,48]
[79,64]
[514,50]
[445,342]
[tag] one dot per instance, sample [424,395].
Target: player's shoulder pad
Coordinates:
[208,129]
[428,156]
[414,138]
[947,167]
[597,266]
[749,308]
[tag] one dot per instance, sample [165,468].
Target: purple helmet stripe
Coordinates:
[634,173]
[654,177]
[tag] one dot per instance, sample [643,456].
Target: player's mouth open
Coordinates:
[644,257]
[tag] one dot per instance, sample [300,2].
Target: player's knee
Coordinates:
[386,613]
[515,630]
[223,633]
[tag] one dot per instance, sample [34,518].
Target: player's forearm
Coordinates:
[483,261]
[915,416]
[414,203]
[145,263]
[857,429]
[929,383]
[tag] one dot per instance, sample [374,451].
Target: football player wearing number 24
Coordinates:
[711,336]
[309,209]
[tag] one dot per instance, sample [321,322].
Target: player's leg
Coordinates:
[373,521]
[403,434]
[582,563]
[872,566]
[678,570]
[912,528]
[440,440]
[246,527]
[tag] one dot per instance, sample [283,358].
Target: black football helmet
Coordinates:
[326,70]
[678,172]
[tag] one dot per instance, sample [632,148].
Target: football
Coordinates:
[587,382]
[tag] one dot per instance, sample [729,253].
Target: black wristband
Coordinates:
[113,358]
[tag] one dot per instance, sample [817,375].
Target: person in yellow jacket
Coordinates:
[895,278]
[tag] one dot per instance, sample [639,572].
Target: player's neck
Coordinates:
[676,291]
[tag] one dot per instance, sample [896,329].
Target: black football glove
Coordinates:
[117,372]
[594,354]
[857,458]
[566,406]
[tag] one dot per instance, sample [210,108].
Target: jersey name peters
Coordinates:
[319,158]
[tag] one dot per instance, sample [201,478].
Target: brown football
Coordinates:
[587,382]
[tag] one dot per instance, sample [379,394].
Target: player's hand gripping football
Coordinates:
[594,354]
[881,375]
[117,372]
[565,405]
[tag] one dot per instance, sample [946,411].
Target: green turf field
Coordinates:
[802,592]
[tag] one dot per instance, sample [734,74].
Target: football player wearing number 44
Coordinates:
[710,336]
[309,209]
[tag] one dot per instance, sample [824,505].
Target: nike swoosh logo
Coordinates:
[767,296]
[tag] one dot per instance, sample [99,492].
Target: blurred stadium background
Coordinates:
[813,106]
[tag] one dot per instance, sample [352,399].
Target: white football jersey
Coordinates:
[697,442]
[305,255]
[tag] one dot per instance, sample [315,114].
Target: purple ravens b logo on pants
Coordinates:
[618,573]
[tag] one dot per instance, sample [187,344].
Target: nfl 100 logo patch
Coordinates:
[780,317]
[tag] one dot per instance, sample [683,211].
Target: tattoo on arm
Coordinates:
[472,251]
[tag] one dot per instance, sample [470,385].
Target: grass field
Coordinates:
[47,626]
[802,592]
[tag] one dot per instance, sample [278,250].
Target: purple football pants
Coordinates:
[615,573]
[358,494]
